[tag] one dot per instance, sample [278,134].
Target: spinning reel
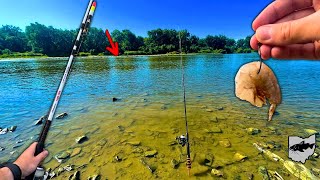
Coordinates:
[182,140]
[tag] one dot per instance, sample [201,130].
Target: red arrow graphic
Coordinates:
[114,49]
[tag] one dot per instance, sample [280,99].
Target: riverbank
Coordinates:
[108,56]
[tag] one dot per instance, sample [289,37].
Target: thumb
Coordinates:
[304,30]
[40,157]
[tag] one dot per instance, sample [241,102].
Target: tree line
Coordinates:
[38,40]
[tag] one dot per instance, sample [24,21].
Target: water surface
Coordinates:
[151,111]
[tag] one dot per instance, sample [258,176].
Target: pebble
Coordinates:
[4,131]
[225,143]
[264,172]
[12,128]
[205,159]
[209,110]
[75,152]
[75,176]
[239,157]
[69,167]
[151,153]
[214,130]
[214,120]
[220,108]
[134,143]
[81,139]
[62,115]
[253,131]
[175,163]
[62,156]
[121,128]
[118,158]
[114,99]
[94,177]
[216,172]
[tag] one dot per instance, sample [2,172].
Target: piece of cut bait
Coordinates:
[257,88]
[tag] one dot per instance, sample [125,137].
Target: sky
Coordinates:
[199,17]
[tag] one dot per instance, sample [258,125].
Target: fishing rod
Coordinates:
[75,50]
[184,139]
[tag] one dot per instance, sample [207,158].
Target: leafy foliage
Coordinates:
[38,39]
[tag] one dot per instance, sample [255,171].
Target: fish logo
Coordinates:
[300,149]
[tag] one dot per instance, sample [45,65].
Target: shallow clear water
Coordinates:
[151,96]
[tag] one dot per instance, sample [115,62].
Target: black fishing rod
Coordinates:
[39,173]
[184,139]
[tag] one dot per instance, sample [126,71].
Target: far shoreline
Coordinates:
[108,56]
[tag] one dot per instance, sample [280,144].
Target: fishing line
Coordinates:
[186,141]
[259,52]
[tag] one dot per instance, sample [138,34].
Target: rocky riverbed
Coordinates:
[136,139]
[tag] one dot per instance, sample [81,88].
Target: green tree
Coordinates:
[13,38]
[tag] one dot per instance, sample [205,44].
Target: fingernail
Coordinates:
[264,33]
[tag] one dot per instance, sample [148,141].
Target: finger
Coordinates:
[296,15]
[40,157]
[265,52]
[301,31]
[31,149]
[254,42]
[296,51]
[277,10]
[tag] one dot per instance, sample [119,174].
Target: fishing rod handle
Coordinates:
[40,145]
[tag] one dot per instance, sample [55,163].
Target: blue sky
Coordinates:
[202,17]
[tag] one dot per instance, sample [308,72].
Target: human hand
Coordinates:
[288,29]
[27,162]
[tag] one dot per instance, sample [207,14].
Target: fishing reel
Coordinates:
[182,140]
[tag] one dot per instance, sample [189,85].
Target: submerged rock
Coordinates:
[60,157]
[69,167]
[121,128]
[264,173]
[217,173]
[205,159]
[4,131]
[40,120]
[253,131]
[239,157]
[152,169]
[134,143]
[81,139]
[75,176]
[62,115]
[12,128]
[200,170]
[94,177]
[174,163]
[225,143]
[220,108]
[75,152]
[114,99]
[2,149]
[214,130]
[209,110]
[151,153]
